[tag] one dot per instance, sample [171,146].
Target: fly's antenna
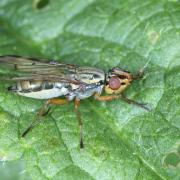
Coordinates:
[145,66]
[140,73]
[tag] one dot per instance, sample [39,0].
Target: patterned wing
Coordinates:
[34,69]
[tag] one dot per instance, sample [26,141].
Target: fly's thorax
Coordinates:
[91,81]
[84,91]
[90,75]
[117,80]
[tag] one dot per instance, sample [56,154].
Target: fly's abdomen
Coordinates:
[31,86]
[39,89]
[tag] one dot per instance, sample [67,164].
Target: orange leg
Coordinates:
[76,105]
[57,101]
[42,112]
[106,98]
[121,96]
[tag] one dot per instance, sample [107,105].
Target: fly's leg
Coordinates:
[37,120]
[76,105]
[130,101]
[57,101]
[106,98]
[124,98]
[42,113]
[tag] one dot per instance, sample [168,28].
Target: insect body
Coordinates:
[80,84]
[50,80]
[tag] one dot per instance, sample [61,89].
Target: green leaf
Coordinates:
[122,141]
[13,170]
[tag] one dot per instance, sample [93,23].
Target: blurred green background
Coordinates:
[122,141]
[13,170]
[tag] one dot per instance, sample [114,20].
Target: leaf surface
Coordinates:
[122,141]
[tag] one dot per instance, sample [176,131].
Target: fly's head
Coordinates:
[117,80]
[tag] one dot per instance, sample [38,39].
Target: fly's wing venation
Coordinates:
[20,68]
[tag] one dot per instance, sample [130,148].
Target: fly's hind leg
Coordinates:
[76,105]
[43,112]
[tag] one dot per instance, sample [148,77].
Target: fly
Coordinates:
[34,78]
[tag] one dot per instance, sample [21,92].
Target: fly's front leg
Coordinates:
[130,101]
[121,96]
[42,112]
[76,105]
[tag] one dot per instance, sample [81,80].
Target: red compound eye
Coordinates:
[114,83]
